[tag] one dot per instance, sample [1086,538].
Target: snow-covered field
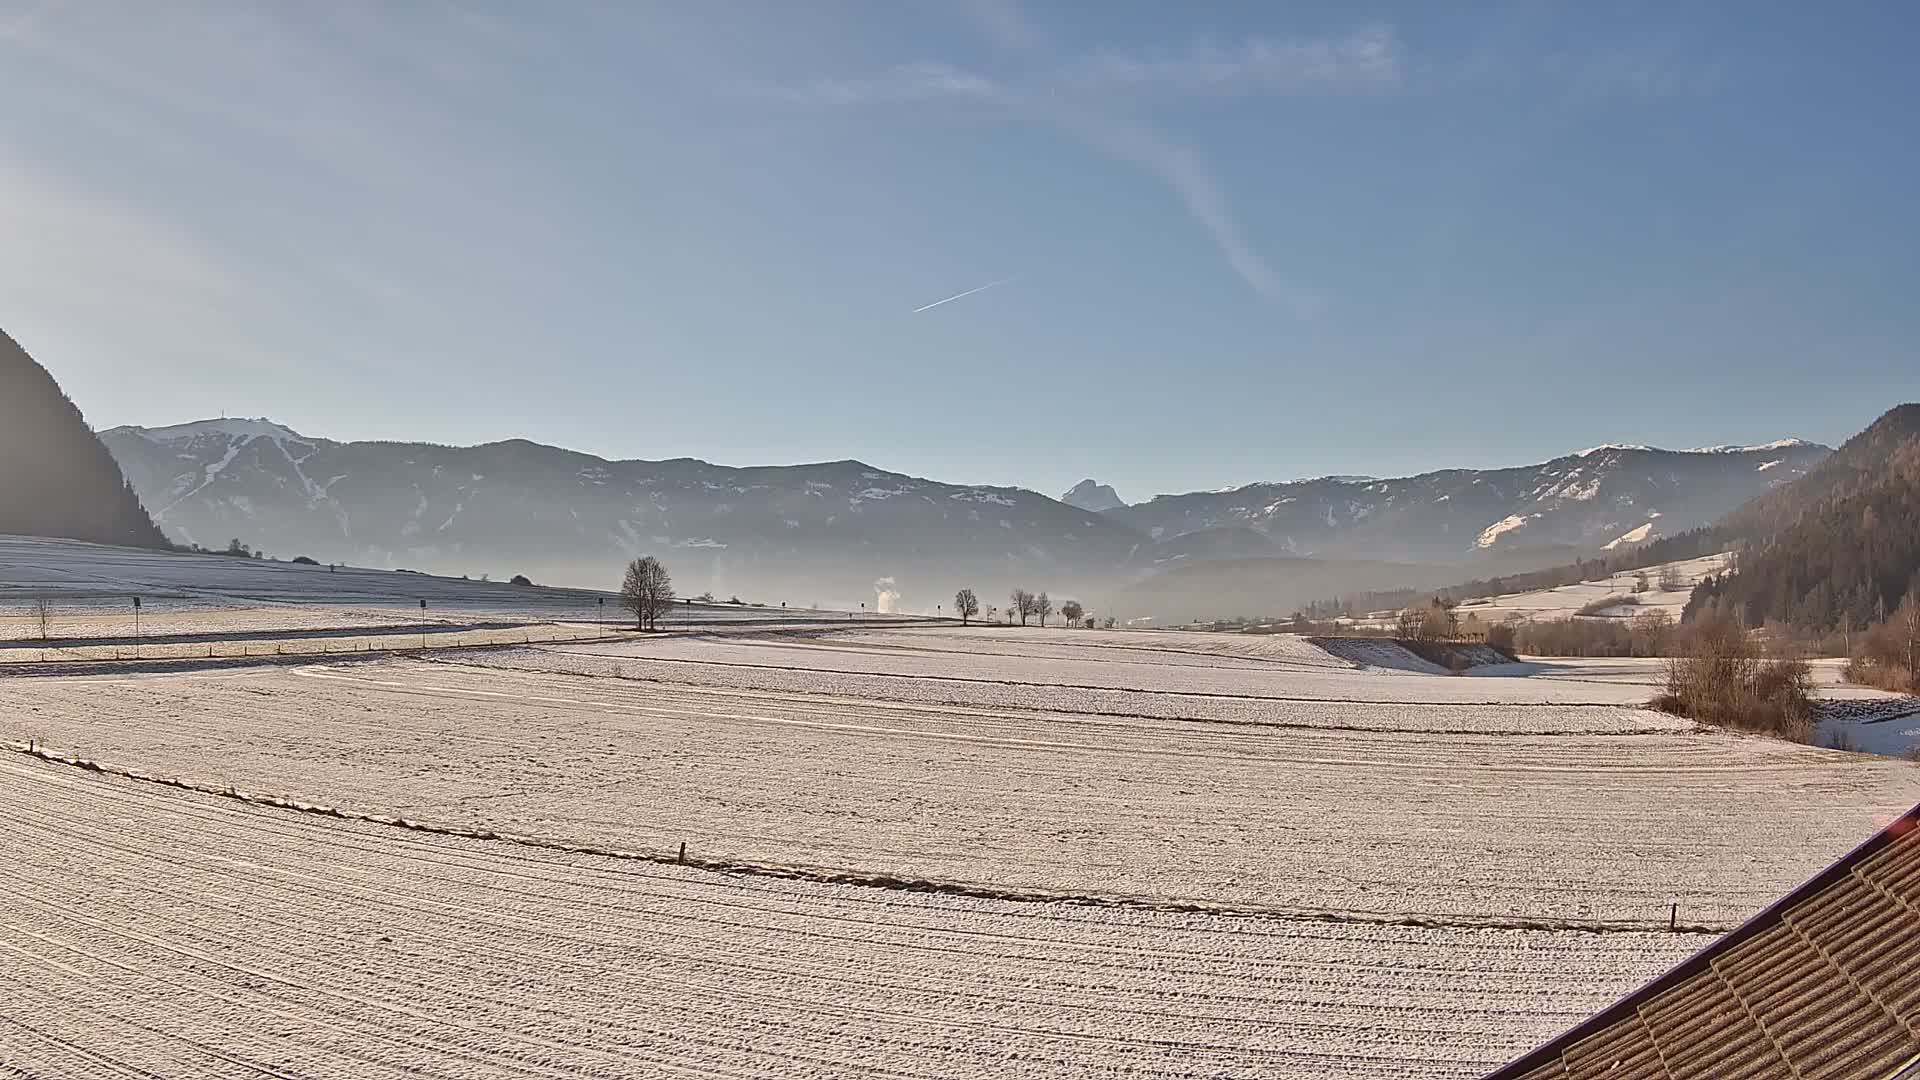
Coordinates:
[1567,600]
[1228,782]
[189,602]
[154,932]
[918,851]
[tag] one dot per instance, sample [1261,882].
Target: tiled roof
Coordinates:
[1823,985]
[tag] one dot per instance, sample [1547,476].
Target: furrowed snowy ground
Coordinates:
[1288,783]
[1136,853]
[158,932]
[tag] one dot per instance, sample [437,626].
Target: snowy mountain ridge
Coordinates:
[834,527]
[1602,497]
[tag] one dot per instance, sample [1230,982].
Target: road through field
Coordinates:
[155,932]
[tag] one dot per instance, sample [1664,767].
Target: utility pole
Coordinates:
[423,624]
[136,628]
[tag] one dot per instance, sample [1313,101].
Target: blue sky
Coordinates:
[1244,241]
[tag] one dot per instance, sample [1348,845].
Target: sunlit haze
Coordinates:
[1173,247]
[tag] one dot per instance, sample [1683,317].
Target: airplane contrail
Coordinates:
[960,296]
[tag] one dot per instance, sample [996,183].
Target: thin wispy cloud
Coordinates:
[960,296]
[1073,97]
[923,81]
[1186,174]
[1367,57]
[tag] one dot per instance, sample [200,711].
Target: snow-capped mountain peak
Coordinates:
[231,427]
[1757,448]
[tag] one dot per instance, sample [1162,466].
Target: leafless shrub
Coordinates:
[1573,637]
[1718,677]
[1434,620]
[1888,655]
[42,617]
[1501,636]
[1651,633]
[1842,738]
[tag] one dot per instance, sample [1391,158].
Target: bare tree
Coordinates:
[1407,624]
[1020,602]
[1907,620]
[1434,620]
[1651,633]
[1072,611]
[1670,579]
[967,604]
[1042,607]
[646,591]
[42,617]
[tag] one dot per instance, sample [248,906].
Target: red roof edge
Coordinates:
[1901,826]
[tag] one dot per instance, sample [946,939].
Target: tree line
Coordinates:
[1844,565]
[1023,605]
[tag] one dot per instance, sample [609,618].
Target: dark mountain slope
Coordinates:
[56,479]
[1837,549]
[1860,463]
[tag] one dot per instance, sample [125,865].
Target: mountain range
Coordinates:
[1600,498]
[848,532]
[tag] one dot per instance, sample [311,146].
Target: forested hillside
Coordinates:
[56,479]
[1837,549]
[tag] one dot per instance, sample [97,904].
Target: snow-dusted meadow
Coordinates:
[917,850]
[215,605]
[160,932]
[1566,601]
